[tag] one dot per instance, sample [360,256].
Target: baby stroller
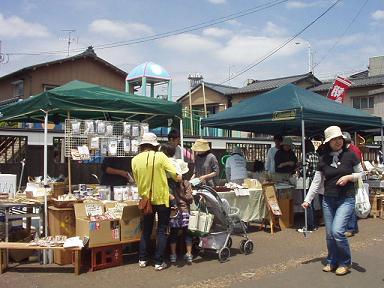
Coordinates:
[226,223]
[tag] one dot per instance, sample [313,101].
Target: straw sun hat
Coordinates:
[200,145]
[149,138]
[332,132]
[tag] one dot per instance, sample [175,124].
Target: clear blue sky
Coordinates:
[31,26]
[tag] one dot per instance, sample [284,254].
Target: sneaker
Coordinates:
[188,258]
[301,230]
[342,270]
[143,264]
[162,266]
[348,234]
[173,258]
[329,268]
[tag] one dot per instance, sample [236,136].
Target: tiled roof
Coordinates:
[357,82]
[269,84]
[222,89]
[87,53]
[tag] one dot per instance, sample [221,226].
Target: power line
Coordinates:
[186,29]
[275,50]
[342,35]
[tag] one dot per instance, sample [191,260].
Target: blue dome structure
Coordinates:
[148,73]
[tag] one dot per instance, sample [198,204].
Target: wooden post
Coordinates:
[69,165]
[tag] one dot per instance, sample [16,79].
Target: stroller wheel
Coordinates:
[229,243]
[248,247]
[242,246]
[224,254]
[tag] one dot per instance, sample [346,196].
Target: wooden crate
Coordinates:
[287,217]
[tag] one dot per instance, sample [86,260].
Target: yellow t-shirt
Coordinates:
[142,167]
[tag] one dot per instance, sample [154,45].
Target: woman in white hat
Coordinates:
[206,164]
[337,170]
[149,169]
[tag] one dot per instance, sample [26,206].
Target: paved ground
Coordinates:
[285,259]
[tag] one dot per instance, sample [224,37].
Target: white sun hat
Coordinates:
[332,132]
[149,138]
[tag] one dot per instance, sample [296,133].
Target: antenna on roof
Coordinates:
[4,58]
[69,39]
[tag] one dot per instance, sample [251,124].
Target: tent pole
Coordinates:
[181,139]
[304,174]
[382,144]
[45,181]
[69,165]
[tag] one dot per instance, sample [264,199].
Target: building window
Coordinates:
[363,102]
[18,88]
[47,87]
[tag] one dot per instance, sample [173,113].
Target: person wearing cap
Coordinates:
[285,159]
[352,226]
[337,170]
[270,162]
[236,167]
[149,169]
[206,165]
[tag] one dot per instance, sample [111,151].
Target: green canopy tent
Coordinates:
[282,110]
[291,110]
[89,101]
[83,100]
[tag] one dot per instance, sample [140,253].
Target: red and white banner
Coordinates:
[339,89]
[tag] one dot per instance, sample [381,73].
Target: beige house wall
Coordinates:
[85,69]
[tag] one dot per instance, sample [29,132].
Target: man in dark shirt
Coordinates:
[116,171]
[285,159]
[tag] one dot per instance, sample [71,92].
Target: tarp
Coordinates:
[89,101]
[281,111]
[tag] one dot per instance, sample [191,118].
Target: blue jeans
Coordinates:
[337,211]
[161,237]
[352,224]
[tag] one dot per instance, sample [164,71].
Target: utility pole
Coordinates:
[69,39]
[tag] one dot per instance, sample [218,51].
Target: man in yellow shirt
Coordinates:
[149,169]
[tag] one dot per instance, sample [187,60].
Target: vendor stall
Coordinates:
[77,101]
[293,111]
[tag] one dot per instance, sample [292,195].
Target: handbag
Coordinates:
[145,205]
[200,222]
[362,204]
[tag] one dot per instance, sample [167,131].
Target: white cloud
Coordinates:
[302,4]
[272,29]
[246,49]
[119,29]
[15,26]
[378,15]
[234,22]
[217,32]
[190,43]
[217,1]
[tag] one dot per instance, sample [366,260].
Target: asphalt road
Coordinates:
[285,259]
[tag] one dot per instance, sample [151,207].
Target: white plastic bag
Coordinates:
[200,223]
[362,205]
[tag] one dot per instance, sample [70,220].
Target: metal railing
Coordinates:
[12,149]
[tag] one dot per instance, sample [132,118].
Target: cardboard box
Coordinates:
[99,233]
[130,222]
[61,221]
